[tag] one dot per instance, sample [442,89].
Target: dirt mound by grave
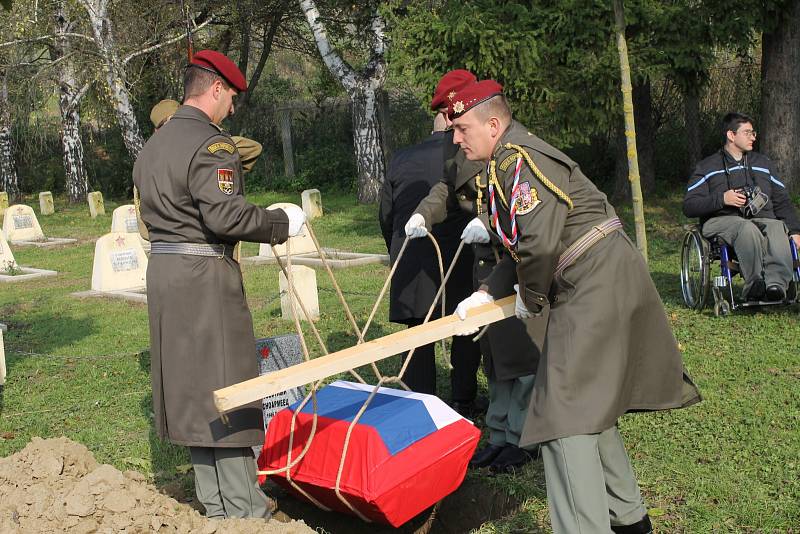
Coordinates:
[56,485]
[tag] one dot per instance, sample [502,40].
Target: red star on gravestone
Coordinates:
[20,210]
[132,211]
[120,241]
[265,352]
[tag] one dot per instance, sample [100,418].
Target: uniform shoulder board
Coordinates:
[221,145]
[508,161]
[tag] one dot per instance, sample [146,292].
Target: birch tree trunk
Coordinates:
[362,88]
[630,130]
[115,74]
[8,165]
[77,184]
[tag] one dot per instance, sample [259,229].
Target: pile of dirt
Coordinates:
[56,485]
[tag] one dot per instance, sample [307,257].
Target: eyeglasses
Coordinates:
[749,133]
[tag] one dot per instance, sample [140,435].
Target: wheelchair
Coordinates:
[699,254]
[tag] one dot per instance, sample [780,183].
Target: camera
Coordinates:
[755,200]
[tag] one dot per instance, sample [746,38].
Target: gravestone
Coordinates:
[3,202]
[46,206]
[20,224]
[273,354]
[96,206]
[7,262]
[305,283]
[302,244]
[124,219]
[120,263]
[312,203]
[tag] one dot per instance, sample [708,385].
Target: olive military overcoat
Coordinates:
[189,177]
[608,348]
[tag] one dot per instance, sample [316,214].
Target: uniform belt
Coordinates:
[585,242]
[192,249]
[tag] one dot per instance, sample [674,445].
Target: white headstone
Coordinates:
[7,261]
[46,203]
[304,280]
[120,263]
[3,202]
[299,245]
[312,203]
[96,206]
[2,361]
[124,219]
[20,224]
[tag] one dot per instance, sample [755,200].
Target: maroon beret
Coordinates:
[453,81]
[472,95]
[218,63]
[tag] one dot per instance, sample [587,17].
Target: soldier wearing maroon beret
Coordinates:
[608,349]
[189,176]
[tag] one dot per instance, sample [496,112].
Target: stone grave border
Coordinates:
[337,259]
[48,242]
[132,295]
[28,273]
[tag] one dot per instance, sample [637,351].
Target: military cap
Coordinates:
[218,63]
[449,85]
[163,111]
[472,95]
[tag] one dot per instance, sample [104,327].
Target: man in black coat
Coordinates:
[411,174]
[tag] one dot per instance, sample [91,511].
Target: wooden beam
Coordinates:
[254,389]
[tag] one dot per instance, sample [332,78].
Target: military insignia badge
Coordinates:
[458,107]
[450,95]
[527,199]
[225,180]
[216,147]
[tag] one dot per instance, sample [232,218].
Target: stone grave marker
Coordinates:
[120,263]
[96,206]
[11,271]
[20,224]
[3,202]
[124,219]
[273,354]
[7,262]
[46,206]
[305,282]
[302,244]
[312,203]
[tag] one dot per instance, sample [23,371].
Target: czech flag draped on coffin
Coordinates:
[407,451]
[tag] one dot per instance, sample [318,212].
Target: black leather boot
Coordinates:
[643,526]
[486,455]
[510,460]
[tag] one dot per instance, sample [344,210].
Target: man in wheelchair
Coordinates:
[738,198]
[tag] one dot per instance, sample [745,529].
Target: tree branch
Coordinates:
[175,39]
[338,66]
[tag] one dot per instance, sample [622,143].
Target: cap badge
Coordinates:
[458,107]
[450,95]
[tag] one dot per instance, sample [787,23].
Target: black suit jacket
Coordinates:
[411,174]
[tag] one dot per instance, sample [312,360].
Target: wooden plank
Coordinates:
[254,389]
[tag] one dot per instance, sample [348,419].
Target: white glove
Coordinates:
[478,298]
[297,220]
[520,310]
[475,232]
[415,227]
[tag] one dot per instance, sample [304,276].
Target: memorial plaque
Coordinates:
[46,206]
[7,262]
[273,354]
[305,283]
[3,202]
[120,263]
[302,244]
[96,206]
[20,224]
[124,219]
[312,203]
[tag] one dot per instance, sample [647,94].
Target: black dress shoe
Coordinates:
[511,460]
[775,293]
[756,291]
[469,409]
[485,456]
[643,526]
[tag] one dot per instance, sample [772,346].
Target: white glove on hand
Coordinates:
[415,227]
[520,310]
[478,298]
[297,220]
[475,232]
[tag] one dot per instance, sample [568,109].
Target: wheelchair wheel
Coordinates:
[695,271]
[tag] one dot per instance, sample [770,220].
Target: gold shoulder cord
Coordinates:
[542,178]
[479,188]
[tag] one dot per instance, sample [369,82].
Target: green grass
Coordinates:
[79,368]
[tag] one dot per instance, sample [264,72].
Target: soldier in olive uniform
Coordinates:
[608,349]
[510,347]
[189,175]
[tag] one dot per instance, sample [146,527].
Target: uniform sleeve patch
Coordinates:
[527,199]
[225,180]
[506,163]
[216,147]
